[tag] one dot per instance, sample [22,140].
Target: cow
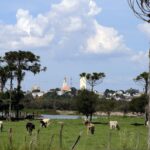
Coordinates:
[47,121]
[1,126]
[146,115]
[43,124]
[90,126]
[30,126]
[114,125]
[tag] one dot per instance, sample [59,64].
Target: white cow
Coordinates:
[1,125]
[147,123]
[114,125]
[47,121]
[91,128]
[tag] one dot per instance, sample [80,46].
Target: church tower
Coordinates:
[65,87]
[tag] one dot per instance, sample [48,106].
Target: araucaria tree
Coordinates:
[143,80]
[15,65]
[22,61]
[87,103]
[93,79]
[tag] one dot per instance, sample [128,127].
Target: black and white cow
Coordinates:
[30,126]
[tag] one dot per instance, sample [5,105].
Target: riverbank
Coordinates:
[71,112]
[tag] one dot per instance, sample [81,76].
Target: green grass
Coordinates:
[129,137]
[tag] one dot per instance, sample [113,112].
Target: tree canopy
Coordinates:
[143,80]
[22,61]
[94,78]
[87,102]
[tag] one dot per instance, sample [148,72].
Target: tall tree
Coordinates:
[94,78]
[3,77]
[18,63]
[143,80]
[87,103]
[22,61]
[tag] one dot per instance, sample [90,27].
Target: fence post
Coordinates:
[10,136]
[76,142]
[60,134]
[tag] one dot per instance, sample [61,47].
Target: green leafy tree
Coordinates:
[22,61]
[3,77]
[107,106]
[94,78]
[87,103]
[132,91]
[143,80]
[108,92]
[138,104]
[18,63]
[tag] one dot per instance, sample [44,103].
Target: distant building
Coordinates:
[36,92]
[121,95]
[65,87]
[82,83]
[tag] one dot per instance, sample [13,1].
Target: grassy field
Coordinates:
[131,136]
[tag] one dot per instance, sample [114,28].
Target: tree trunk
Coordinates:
[146,87]
[149,104]
[19,85]
[91,117]
[2,86]
[87,116]
[17,113]
[92,87]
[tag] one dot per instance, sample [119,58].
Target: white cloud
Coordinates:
[74,24]
[68,26]
[145,28]
[65,6]
[24,21]
[94,9]
[105,40]
[141,57]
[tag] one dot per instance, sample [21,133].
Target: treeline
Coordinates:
[83,103]
[68,102]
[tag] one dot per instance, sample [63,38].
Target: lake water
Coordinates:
[63,116]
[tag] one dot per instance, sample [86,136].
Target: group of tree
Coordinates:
[15,64]
[88,103]
[13,67]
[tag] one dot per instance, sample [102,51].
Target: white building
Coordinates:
[36,92]
[82,83]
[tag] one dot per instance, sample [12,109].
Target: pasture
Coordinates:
[131,136]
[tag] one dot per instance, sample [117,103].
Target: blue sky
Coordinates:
[75,36]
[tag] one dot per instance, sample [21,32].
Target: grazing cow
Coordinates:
[47,121]
[147,123]
[114,125]
[86,122]
[90,126]
[146,115]
[30,126]
[1,126]
[43,124]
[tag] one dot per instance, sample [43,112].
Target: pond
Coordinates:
[62,116]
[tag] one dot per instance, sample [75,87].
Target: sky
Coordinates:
[75,36]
